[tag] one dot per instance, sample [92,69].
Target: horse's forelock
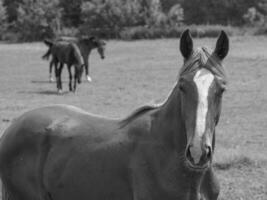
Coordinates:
[202,58]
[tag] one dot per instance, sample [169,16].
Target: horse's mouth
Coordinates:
[193,167]
[102,57]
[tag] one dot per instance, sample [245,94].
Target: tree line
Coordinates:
[29,20]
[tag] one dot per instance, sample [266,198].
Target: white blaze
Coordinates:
[203,80]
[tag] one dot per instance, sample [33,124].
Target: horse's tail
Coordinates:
[49,43]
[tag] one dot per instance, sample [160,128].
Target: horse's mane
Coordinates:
[136,113]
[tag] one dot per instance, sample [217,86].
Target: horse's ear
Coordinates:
[222,46]
[186,44]
[92,38]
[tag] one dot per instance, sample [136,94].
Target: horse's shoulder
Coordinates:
[137,113]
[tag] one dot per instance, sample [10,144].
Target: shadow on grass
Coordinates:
[6,120]
[49,92]
[46,82]
[41,82]
[239,162]
[44,92]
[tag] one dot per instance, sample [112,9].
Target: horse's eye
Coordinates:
[221,90]
[181,87]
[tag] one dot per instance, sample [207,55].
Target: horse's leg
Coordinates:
[50,71]
[70,77]
[210,187]
[75,78]
[57,74]
[59,77]
[87,70]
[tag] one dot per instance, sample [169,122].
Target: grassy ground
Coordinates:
[135,73]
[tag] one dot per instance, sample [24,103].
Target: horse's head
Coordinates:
[99,44]
[201,83]
[79,72]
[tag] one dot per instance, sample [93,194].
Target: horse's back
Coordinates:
[67,52]
[67,38]
[60,149]
[61,51]
[58,121]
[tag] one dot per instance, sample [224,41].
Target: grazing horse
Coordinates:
[86,45]
[158,152]
[66,53]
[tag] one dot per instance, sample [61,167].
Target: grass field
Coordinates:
[136,73]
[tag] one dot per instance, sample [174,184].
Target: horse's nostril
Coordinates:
[188,154]
[208,152]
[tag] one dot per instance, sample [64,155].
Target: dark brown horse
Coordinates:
[66,53]
[158,152]
[86,45]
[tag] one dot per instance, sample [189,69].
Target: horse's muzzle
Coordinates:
[198,158]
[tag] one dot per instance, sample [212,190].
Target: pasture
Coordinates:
[141,72]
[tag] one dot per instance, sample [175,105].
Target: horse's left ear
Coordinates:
[222,46]
[186,44]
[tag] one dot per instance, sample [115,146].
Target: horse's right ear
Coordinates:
[186,44]
[222,46]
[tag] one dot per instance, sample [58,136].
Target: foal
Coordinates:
[66,53]
[85,44]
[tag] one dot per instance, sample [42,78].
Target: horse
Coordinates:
[86,45]
[162,151]
[70,54]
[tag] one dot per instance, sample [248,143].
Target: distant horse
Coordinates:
[66,53]
[86,45]
[159,152]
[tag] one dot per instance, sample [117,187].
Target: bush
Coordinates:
[260,30]
[176,15]
[3,18]
[107,18]
[253,17]
[144,32]
[36,20]
[11,37]
[210,30]
[71,32]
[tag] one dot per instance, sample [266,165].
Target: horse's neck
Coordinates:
[169,127]
[169,121]
[86,48]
